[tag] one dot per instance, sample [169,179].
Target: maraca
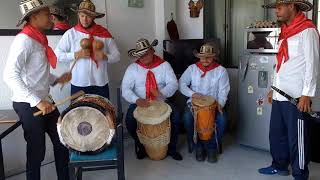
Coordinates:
[97,45]
[85,43]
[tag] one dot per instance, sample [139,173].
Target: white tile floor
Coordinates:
[236,163]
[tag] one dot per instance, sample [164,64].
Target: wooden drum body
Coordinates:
[88,124]
[154,128]
[204,116]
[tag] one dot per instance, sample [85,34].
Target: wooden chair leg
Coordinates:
[72,172]
[120,155]
[79,174]
[120,168]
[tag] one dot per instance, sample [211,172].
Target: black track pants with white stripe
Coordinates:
[289,139]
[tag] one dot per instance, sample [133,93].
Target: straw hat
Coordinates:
[207,50]
[27,7]
[55,10]
[304,5]
[142,46]
[87,7]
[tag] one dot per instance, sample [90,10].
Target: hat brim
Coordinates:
[90,13]
[303,6]
[23,18]
[200,55]
[139,53]
[62,15]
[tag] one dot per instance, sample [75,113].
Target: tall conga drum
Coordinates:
[153,128]
[87,126]
[204,110]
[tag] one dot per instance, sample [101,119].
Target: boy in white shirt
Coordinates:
[149,78]
[205,78]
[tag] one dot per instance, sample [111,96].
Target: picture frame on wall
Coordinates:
[136,3]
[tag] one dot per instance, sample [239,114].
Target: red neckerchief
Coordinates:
[94,30]
[42,39]
[62,26]
[151,82]
[299,24]
[212,66]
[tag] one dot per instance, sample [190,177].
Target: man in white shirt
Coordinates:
[149,78]
[59,18]
[90,71]
[27,73]
[205,78]
[296,74]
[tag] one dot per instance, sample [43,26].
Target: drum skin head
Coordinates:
[86,127]
[156,113]
[203,101]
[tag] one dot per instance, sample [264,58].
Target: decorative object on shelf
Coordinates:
[195,8]
[135,3]
[264,24]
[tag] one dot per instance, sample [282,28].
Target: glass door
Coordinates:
[216,25]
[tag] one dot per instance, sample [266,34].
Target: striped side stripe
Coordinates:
[301,144]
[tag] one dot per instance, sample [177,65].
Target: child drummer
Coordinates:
[205,78]
[149,78]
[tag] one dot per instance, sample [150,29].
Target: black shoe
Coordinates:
[200,154]
[212,157]
[140,152]
[176,156]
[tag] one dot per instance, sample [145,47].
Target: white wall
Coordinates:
[189,28]
[10,13]
[127,25]
[10,18]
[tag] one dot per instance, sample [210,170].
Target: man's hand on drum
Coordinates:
[142,102]
[269,97]
[196,95]
[66,77]
[46,107]
[83,53]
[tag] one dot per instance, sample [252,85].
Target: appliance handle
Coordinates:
[245,70]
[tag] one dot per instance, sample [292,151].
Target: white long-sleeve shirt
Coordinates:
[134,81]
[27,71]
[215,83]
[85,73]
[298,76]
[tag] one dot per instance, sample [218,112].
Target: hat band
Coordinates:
[137,51]
[209,54]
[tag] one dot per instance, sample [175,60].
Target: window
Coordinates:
[10,13]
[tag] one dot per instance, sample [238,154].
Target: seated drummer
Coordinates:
[205,78]
[149,78]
